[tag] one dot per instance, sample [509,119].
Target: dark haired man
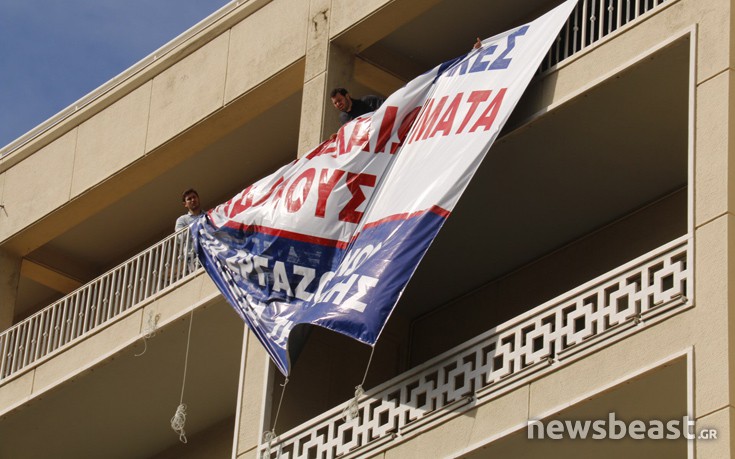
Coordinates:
[190,200]
[352,108]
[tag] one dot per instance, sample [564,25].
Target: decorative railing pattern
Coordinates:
[592,20]
[96,303]
[594,313]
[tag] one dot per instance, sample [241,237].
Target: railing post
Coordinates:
[4,355]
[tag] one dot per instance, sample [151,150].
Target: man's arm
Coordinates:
[180,223]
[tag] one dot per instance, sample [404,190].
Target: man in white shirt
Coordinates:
[190,200]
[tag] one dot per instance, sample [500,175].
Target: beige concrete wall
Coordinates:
[713,217]
[318,56]
[712,327]
[714,99]
[38,185]
[251,408]
[111,140]
[264,44]
[188,91]
[471,427]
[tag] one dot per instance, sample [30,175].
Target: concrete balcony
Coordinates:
[546,338]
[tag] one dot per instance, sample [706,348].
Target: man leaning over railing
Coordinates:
[190,200]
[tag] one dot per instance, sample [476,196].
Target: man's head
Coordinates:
[190,199]
[341,99]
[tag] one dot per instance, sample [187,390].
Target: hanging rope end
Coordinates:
[178,422]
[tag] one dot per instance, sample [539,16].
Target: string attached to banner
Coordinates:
[351,411]
[270,436]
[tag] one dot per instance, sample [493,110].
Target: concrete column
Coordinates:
[9,278]
[327,66]
[255,370]
[714,212]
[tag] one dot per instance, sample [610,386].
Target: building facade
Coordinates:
[584,275]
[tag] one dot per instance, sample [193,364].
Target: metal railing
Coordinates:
[97,303]
[625,300]
[592,20]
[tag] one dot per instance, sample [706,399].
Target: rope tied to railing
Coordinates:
[270,436]
[352,410]
[151,330]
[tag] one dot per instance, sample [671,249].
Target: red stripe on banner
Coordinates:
[433,209]
[288,234]
[332,242]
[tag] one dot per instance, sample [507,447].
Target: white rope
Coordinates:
[151,330]
[270,436]
[352,410]
[179,419]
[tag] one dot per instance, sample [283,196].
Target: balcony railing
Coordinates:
[625,300]
[592,20]
[97,303]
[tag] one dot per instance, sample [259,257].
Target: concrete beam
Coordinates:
[48,277]
[376,78]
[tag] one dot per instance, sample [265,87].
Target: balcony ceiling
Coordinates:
[449,29]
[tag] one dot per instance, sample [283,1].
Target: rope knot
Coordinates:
[352,410]
[269,437]
[151,330]
[178,421]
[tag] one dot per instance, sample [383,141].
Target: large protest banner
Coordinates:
[333,238]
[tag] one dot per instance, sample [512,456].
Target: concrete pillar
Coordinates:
[252,411]
[9,278]
[714,221]
[327,66]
